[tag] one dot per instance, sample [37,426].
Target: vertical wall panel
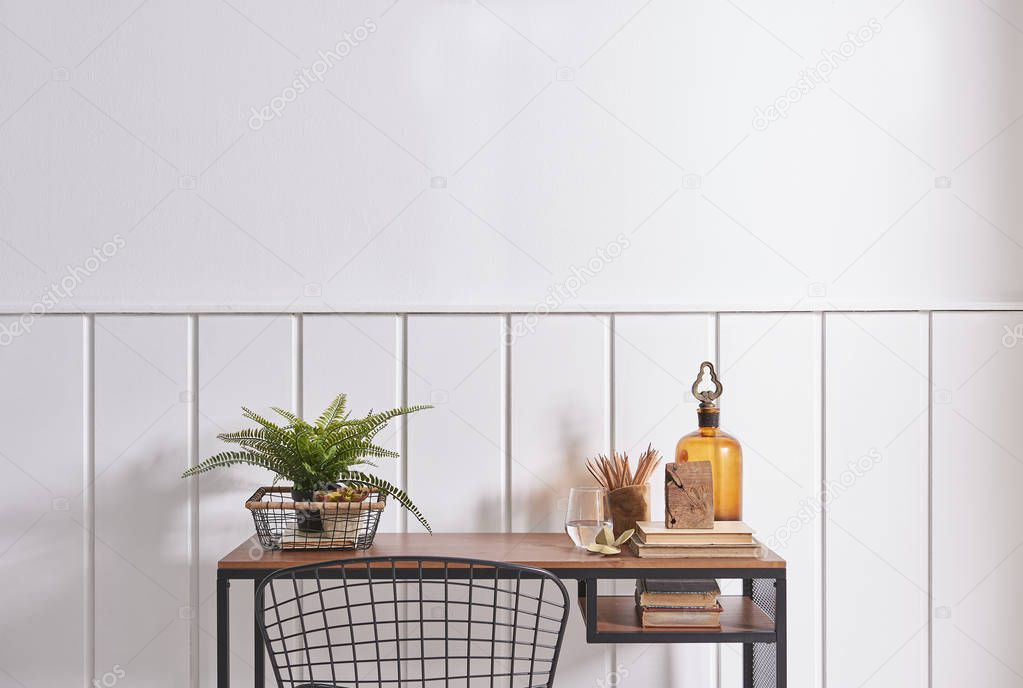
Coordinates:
[768,367]
[41,533]
[978,476]
[354,355]
[243,360]
[557,421]
[142,612]
[557,415]
[454,463]
[657,357]
[876,487]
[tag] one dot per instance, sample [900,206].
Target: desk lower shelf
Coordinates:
[618,621]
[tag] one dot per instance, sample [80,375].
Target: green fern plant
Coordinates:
[315,455]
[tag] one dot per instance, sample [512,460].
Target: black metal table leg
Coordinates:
[764,666]
[780,629]
[747,648]
[223,630]
[258,659]
[590,585]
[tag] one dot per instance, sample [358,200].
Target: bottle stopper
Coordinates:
[707,397]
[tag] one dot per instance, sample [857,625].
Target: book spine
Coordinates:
[677,600]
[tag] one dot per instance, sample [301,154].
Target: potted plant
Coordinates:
[320,459]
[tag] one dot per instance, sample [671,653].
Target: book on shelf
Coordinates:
[643,551]
[700,617]
[723,533]
[677,592]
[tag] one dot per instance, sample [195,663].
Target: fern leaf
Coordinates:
[398,494]
[380,452]
[334,410]
[261,439]
[231,458]
[252,415]
[249,434]
[291,417]
[376,419]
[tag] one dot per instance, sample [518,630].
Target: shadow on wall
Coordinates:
[141,572]
[140,582]
[559,469]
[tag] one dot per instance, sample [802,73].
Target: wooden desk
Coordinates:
[756,618]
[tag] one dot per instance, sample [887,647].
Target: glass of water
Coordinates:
[588,512]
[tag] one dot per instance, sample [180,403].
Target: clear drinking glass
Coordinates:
[588,512]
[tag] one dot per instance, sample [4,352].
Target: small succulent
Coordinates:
[606,543]
[347,493]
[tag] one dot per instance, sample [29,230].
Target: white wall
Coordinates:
[552,126]
[471,156]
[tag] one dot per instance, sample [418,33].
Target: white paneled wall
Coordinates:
[142,560]
[559,413]
[881,459]
[770,368]
[41,567]
[454,457]
[978,550]
[876,478]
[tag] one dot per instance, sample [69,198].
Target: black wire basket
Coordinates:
[283,523]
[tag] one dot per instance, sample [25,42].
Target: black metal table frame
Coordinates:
[765,586]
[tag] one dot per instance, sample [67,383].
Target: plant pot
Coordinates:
[342,526]
[309,520]
[628,505]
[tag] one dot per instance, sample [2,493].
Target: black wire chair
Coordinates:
[398,622]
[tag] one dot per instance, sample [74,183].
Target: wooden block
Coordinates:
[688,495]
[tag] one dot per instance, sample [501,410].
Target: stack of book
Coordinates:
[725,539]
[679,603]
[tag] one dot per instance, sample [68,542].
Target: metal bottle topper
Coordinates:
[707,397]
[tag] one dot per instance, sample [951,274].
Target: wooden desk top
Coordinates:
[552,551]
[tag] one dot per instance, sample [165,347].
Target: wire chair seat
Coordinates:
[404,622]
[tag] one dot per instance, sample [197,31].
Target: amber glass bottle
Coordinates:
[710,443]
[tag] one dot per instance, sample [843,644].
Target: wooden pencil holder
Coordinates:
[628,505]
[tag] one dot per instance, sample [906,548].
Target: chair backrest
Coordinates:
[398,622]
